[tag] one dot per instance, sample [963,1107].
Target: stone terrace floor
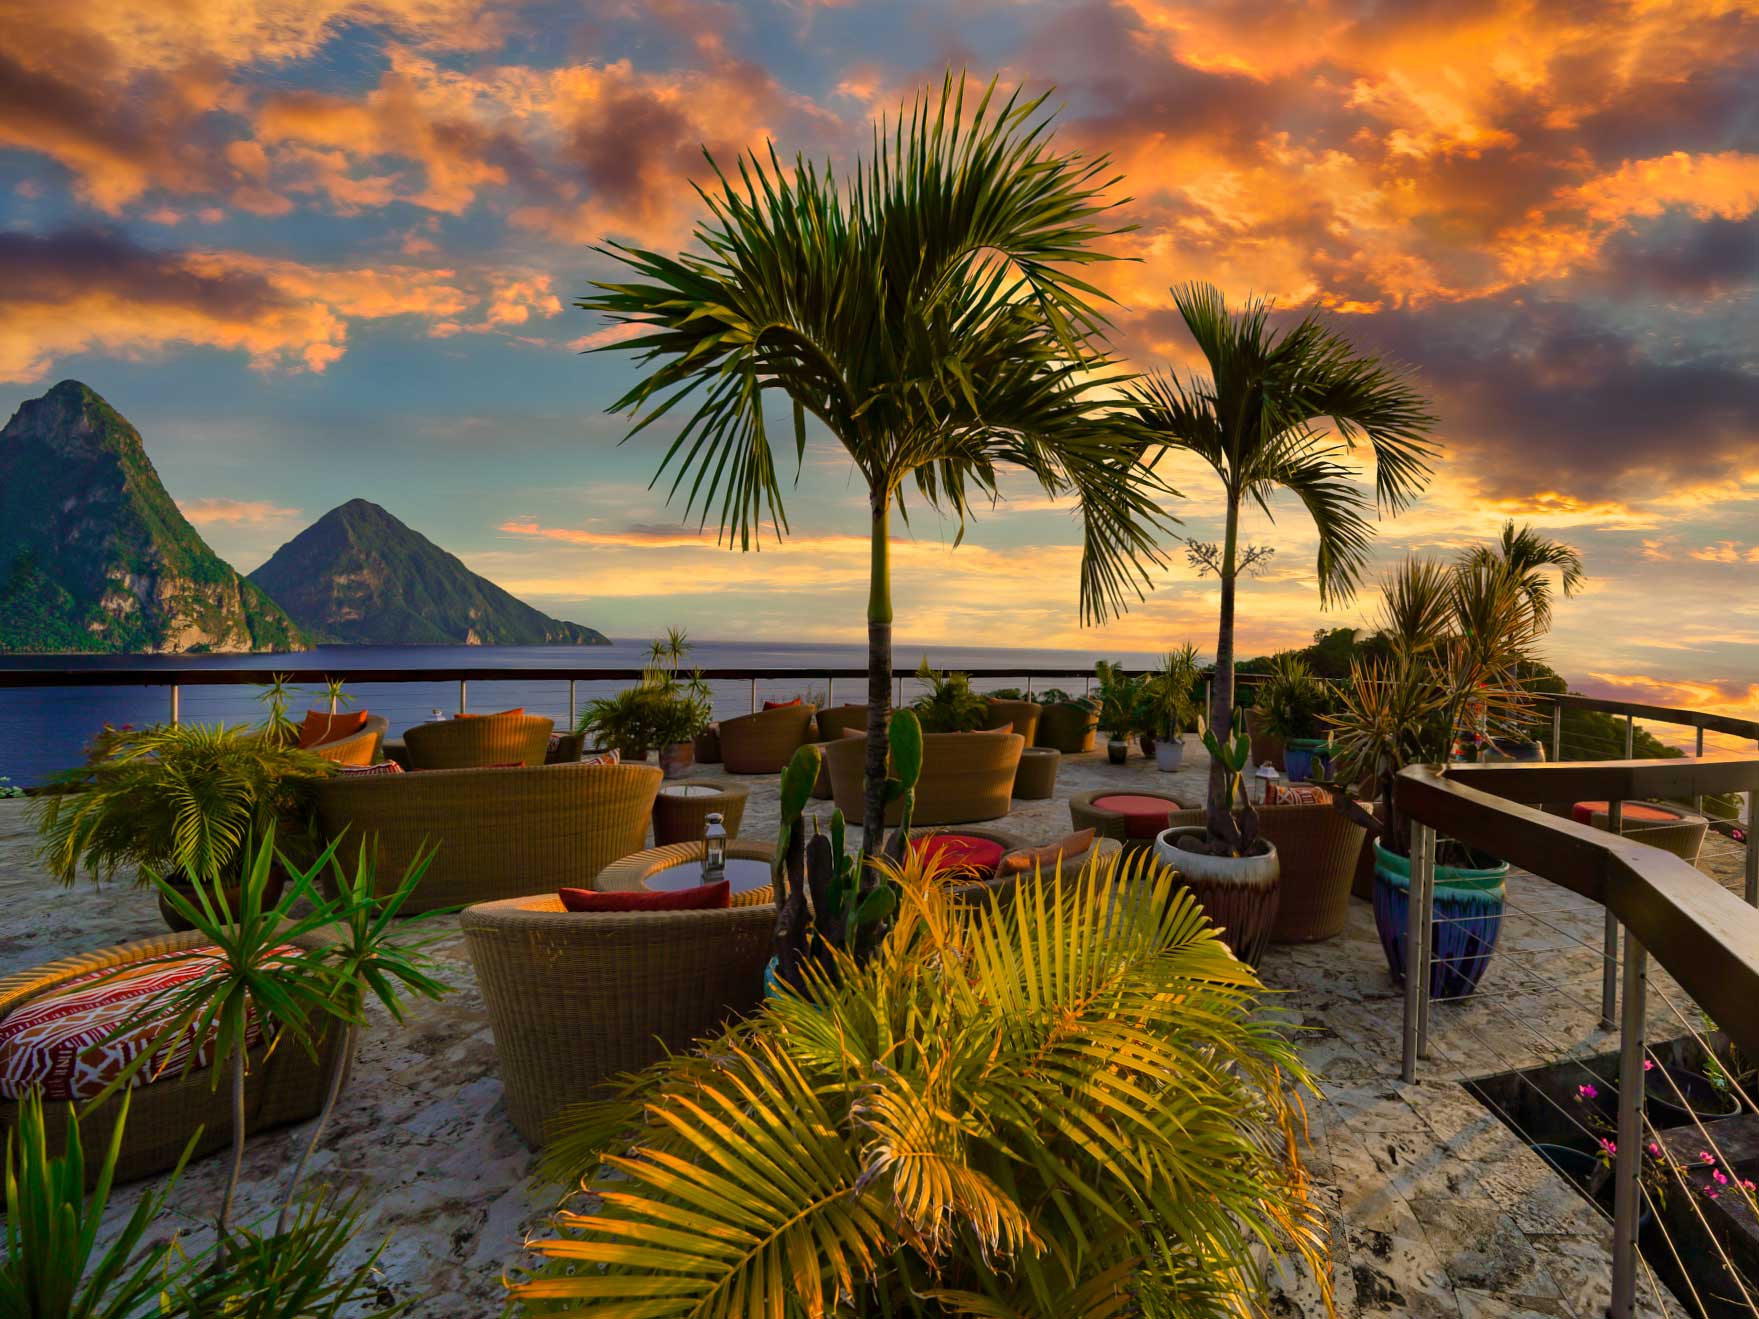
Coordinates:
[1436,1208]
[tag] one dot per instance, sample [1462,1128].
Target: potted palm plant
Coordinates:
[1167,705]
[1460,635]
[178,800]
[1118,716]
[949,705]
[1294,704]
[665,709]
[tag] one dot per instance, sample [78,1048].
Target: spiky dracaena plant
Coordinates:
[1069,1106]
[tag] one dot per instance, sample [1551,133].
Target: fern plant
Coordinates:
[1068,1106]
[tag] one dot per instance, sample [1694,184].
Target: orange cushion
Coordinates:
[499,714]
[1295,794]
[321,726]
[1046,857]
[960,852]
[1585,811]
[57,1040]
[704,897]
[780,705]
[1144,817]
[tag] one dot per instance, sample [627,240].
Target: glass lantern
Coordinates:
[714,849]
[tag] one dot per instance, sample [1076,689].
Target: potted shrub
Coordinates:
[1458,636]
[1167,705]
[949,705]
[663,710]
[1118,695]
[1294,704]
[178,800]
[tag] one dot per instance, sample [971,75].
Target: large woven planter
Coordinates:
[284,1085]
[1017,716]
[575,998]
[965,777]
[1467,919]
[499,832]
[1067,727]
[764,743]
[1237,893]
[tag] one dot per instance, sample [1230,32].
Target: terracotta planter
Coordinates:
[676,758]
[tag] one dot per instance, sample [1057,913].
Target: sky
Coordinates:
[326,249]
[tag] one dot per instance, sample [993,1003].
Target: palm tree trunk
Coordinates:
[338,1071]
[879,674]
[1219,817]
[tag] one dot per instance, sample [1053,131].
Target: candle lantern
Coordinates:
[714,850]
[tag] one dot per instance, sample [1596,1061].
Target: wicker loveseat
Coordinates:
[574,998]
[500,832]
[1020,716]
[763,743]
[965,776]
[286,1085]
[473,743]
[1318,850]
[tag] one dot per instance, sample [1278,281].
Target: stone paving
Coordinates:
[1436,1208]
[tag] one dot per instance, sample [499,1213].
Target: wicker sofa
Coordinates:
[1019,716]
[1318,851]
[500,832]
[965,776]
[282,1086]
[474,743]
[763,743]
[575,998]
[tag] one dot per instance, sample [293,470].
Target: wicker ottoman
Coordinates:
[1036,779]
[1134,818]
[631,873]
[682,809]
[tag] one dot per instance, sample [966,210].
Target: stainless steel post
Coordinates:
[1627,1188]
[830,691]
[1609,969]
[1427,948]
[1416,942]
[571,714]
[462,694]
[754,696]
[898,700]
[1698,797]
[1029,688]
[1630,736]
[1557,731]
[175,689]
[1752,889]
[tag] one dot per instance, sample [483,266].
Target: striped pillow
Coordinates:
[611,757]
[1295,794]
[383,767]
[59,1041]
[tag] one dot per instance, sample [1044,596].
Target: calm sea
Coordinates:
[43,730]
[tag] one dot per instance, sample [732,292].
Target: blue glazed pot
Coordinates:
[1467,920]
[1299,756]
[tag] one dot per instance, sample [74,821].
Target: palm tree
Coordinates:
[1528,555]
[927,314]
[1255,420]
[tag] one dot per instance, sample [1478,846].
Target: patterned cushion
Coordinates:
[58,1040]
[1295,794]
[383,767]
[611,757]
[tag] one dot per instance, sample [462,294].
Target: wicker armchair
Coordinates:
[1066,727]
[965,777]
[763,743]
[1020,716]
[282,1086]
[575,998]
[836,720]
[498,739]
[359,748]
[500,832]
[567,749]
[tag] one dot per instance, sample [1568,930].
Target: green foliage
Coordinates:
[1168,702]
[836,904]
[178,799]
[52,1268]
[9,789]
[1009,694]
[1057,696]
[1061,1107]
[1292,700]
[1119,699]
[1233,758]
[663,708]
[276,696]
[949,706]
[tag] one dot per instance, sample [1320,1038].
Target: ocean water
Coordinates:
[43,730]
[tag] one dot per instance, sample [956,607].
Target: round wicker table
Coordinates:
[1036,779]
[682,809]
[660,869]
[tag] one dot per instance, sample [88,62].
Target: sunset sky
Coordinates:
[317,250]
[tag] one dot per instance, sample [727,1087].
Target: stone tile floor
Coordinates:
[1436,1209]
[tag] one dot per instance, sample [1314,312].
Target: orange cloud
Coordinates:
[1727,551]
[233,512]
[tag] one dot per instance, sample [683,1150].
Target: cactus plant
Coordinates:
[827,898]
[1232,758]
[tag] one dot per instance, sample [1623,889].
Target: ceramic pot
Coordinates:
[676,758]
[1169,755]
[1117,750]
[1467,919]
[1664,1089]
[234,894]
[1238,893]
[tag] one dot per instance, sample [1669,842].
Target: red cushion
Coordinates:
[1144,817]
[704,897]
[321,726]
[960,852]
[1585,811]
[780,705]
[499,714]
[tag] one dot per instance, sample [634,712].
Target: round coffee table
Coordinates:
[1036,779]
[679,866]
[682,809]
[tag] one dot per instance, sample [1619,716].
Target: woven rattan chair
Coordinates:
[1067,727]
[286,1085]
[1019,716]
[763,743]
[836,720]
[965,777]
[360,748]
[574,998]
[501,832]
[496,739]
[567,749]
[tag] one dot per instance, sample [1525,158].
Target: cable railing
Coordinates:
[1703,937]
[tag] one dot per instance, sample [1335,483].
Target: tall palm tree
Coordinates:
[927,313]
[1531,557]
[1256,421]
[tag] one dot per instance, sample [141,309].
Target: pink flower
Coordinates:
[1719,1177]
[1649,1064]
[1587,1092]
[1707,1157]
[1654,1150]
[1710,1193]
[1748,1187]
[1608,1146]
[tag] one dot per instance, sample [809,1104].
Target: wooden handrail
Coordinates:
[1706,937]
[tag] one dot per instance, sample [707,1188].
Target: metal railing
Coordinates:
[1704,936]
